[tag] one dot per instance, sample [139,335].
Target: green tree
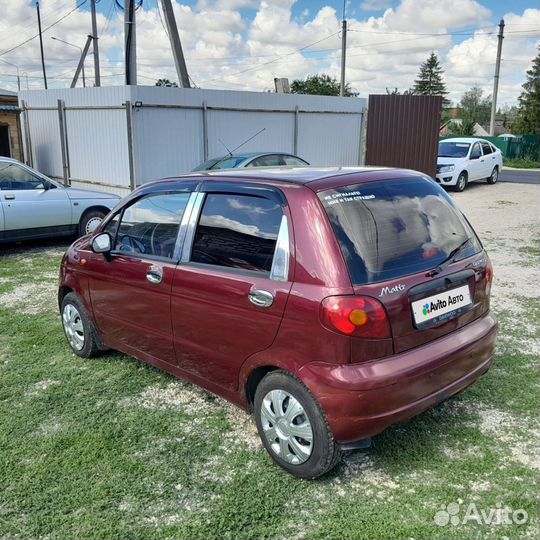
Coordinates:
[528,118]
[465,128]
[430,80]
[166,82]
[321,85]
[476,107]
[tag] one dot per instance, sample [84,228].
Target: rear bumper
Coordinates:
[361,400]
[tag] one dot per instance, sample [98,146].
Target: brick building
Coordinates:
[10,133]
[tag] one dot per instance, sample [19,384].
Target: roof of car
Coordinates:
[464,139]
[247,155]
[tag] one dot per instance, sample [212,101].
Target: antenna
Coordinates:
[246,141]
[226,147]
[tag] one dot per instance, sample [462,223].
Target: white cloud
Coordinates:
[375,5]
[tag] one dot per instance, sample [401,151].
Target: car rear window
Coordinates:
[394,228]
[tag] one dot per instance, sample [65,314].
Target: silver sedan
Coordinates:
[35,206]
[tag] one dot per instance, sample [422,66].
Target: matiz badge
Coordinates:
[389,290]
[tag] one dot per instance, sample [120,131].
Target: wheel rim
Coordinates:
[73,326]
[286,427]
[92,224]
[495,176]
[461,183]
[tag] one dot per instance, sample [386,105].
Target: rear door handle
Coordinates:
[261,298]
[154,276]
[9,197]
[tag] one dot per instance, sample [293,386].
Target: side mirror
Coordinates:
[46,185]
[475,156]
[102,244]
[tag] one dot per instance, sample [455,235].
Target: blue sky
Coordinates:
[244,44]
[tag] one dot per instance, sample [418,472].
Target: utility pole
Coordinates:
[176,46]
[41,46]
[95,38]
[343,51]
[500,38]
[130,42]
[77,47]
[80,67]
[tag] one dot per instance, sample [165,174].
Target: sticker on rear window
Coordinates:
[462,145]
[347,196]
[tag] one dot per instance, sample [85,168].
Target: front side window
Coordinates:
[15,177]
[237,231]
[394,228]
[150,225]
[476,152]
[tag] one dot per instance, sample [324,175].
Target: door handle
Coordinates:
[154,276]
[9,197]
[261,298]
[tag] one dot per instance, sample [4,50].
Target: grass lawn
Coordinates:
[111,448]
[522,163]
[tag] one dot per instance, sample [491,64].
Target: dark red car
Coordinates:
[331,303]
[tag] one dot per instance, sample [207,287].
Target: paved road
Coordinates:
[520,176]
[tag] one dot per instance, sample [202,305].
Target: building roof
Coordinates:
[7,93]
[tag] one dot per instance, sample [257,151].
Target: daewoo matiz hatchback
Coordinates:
[331,303]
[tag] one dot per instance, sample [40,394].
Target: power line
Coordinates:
[44,30]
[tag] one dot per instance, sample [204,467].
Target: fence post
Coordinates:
[362,141]
[63,141]
[28,158]
[205,130]
[295,134]
[131,152]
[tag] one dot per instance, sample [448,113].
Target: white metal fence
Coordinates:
[119,137]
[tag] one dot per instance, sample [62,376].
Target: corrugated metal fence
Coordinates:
[119,137]
[403,131]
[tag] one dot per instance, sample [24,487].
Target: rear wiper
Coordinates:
[449,259]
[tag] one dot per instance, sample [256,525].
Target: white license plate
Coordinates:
[442,306]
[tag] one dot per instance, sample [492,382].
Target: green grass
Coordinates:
[112,448]
[522,163]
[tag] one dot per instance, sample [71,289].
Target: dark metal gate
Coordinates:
[403,131]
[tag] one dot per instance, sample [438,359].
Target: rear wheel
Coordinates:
[494,176]
[293,428]
[90,221]
[461,182]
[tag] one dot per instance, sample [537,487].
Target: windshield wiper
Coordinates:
[438,269]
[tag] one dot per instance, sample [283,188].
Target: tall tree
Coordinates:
[475,106]
[166,82]
[322,85]
[528,119]
[430,80]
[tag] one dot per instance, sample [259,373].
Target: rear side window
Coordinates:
[486,147]
[237,231]
[390,229]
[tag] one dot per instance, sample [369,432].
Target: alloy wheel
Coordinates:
[286,426]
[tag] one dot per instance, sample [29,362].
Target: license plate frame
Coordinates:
[441,307]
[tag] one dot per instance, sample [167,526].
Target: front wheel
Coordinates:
[494,176]
[293,428]
[78,327]
[90,221]
[461,182]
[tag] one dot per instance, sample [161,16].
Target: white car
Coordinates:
[34,206]
[467,159]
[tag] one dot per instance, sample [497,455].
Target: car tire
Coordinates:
[494,176]
[78,328]
[90,221]
[280,393]
[461,183]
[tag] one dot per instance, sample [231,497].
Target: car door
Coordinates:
[476,166]
[32,206]
[130,290]
[490,158]
[231,286]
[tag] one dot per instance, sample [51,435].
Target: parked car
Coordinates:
[254,159]
[35,206]
[331,303]
[466,159]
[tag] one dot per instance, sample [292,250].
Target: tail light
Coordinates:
[358,316]
[489,275]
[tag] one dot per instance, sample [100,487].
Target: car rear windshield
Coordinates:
[394,228]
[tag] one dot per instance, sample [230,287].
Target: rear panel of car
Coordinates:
[393,234]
